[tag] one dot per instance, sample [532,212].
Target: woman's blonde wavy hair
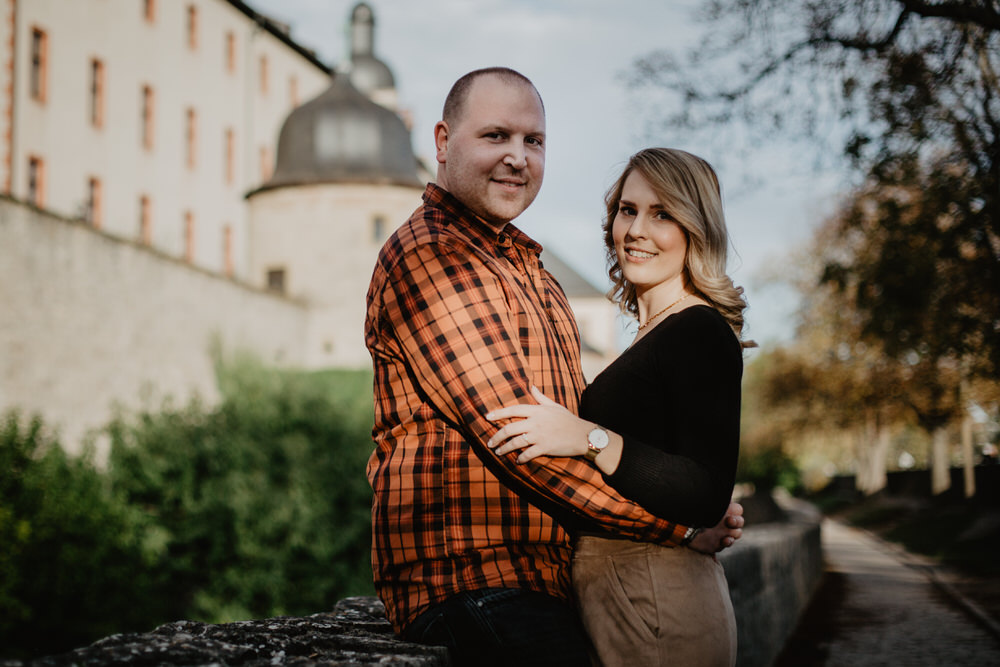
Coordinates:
[689,190]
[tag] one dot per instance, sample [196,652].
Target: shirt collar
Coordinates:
[474,226]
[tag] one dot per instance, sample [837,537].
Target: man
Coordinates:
[462,319]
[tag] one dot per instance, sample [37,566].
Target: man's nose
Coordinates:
[516,157]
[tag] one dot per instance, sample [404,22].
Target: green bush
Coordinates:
[260,506]
[255,507]
[70,568]
[768,468]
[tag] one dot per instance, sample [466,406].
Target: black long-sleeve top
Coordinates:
[674,397]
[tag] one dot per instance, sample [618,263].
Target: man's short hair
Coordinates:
[455,102]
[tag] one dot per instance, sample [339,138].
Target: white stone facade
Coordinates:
[214,84]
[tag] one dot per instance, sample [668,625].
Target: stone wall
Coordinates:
[773,571]
[89,320]
[355,633]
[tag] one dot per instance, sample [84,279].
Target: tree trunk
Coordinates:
[882,442]
[940,474]
[871,449]
[968,465]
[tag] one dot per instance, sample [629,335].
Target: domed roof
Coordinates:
[343,137]
[368,73]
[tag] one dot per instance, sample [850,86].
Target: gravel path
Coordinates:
[878,605]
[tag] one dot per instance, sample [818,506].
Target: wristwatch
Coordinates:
[597,440]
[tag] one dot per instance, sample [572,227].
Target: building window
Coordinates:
[227,250]
[36,181]
[230,156]
[230,52]
[378,229]
[276,280]
[188,236]
[191,138]
[148,99]
[92,213]
[265,164]
[149,10]
[96,93]
[145,220]
[293,91]
[263,75]
[39,64]
[192,27]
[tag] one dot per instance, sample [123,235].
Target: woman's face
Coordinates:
[650,245]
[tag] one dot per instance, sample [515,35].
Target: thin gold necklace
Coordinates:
[646,323]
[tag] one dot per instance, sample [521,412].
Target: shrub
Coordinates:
[255,507]
[260,506]
[768,468]
[70,570]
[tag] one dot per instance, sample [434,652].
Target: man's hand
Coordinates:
[724,534]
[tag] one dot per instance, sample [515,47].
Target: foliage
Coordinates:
[255,507]
[71,569]
[765,460]
[259,507]
[768,468]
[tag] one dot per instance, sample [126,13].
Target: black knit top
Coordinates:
[674,397]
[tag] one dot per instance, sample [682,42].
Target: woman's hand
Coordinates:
[546,429]
[722,535]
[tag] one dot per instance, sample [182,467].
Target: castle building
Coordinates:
[148,119]
[179,176]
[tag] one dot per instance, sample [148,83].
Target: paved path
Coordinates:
[880,606]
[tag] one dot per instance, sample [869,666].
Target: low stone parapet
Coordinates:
[356,632]
[773,571]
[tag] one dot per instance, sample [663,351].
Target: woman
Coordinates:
[661,422]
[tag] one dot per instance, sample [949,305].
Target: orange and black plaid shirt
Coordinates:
[462,319]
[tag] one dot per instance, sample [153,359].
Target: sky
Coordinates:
[577,52]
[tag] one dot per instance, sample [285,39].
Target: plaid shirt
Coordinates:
[461,320]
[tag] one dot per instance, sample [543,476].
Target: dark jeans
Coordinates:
[504,626]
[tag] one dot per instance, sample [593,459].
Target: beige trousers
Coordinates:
[644,604]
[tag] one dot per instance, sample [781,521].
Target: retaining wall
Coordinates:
[773,571]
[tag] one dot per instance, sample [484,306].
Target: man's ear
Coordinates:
[441,141]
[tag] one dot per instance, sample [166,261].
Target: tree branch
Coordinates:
[960,12]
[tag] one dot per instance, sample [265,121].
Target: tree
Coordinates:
[909,89]
[832,379]
[905,271]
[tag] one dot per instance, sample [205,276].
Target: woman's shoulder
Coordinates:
[698,327]
[698,317]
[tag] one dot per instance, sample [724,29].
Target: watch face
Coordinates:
[598,438]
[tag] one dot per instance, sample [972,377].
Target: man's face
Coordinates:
[492,158]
